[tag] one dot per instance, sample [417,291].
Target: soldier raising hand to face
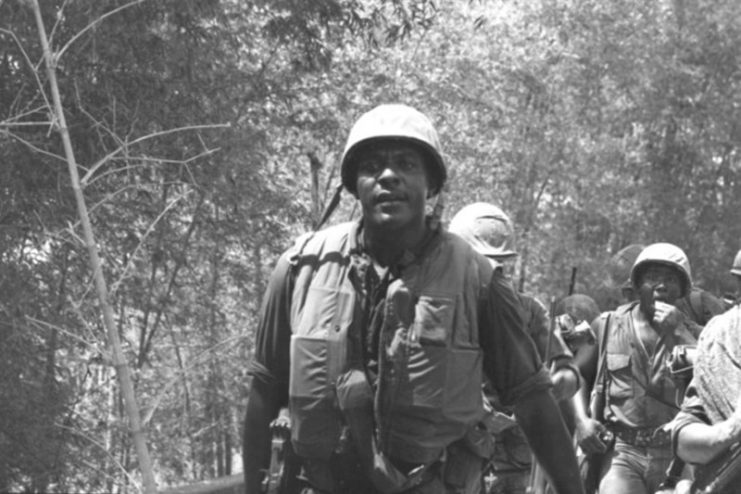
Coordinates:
[634,396]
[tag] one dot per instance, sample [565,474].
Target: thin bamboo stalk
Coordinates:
[119,362]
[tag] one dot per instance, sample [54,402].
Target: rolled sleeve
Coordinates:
[511,360]
[692,412]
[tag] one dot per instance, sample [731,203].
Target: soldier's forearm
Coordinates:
[699,443]
[540,419]
[262,407]
[580,402]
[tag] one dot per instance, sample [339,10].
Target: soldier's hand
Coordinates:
[588,436]
[282,422]
[666,316]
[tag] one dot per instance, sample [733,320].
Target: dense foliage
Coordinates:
[195,124]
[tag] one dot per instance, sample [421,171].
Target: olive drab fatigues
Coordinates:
[640,391]
[427,394]
[512,460]
[640,398]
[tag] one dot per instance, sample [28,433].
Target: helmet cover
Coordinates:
[487,228]
[579,306]
[397,122]
[667,255]
[621,264]
[736,268]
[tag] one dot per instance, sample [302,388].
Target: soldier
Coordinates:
[575,314]
[490,231]
[634,394]
[700,305]
[710,421]
[376,333]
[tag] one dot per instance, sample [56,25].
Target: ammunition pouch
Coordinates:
[479,441]
[463,468]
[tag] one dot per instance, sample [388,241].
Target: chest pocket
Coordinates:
[433,320]
[618,367]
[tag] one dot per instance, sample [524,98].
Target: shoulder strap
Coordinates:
[602,361]
[330,208]
[597,401]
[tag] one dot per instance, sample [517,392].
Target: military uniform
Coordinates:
[511,464]
[641,397]
[510,360]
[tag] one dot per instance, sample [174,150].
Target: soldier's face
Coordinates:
[392,184]
[657,282]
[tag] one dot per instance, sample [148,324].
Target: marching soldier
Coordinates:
[700,305]
[490,231]
[634,396]
[376,335]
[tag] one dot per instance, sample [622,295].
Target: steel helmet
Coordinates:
[579,306]
[621,264]
[668,255]
[394,121]
[487,228]
[736,268]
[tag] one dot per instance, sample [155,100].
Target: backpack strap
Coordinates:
[597,401]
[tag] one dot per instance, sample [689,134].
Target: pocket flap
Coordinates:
[617,361]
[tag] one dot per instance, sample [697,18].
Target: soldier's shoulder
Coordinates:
[315,241]
[729,320]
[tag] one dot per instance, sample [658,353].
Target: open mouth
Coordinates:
[388,199]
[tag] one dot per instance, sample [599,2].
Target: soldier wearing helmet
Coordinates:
[376,335]
[700,305]
[490,231]
[734,298]
[736,267]
[575,314]
[633,394]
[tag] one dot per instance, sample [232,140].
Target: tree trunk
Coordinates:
[132,408]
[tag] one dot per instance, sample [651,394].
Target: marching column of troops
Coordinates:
[399,357]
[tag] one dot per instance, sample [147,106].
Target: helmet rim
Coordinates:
[736,266]
[665,254]
[394,122]
[470,224]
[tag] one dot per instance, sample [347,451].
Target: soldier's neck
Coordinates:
[387,246]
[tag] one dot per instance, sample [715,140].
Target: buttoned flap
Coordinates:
[433,319]
[621,379]
[325,310]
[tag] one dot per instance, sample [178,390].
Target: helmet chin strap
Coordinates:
[330,207]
